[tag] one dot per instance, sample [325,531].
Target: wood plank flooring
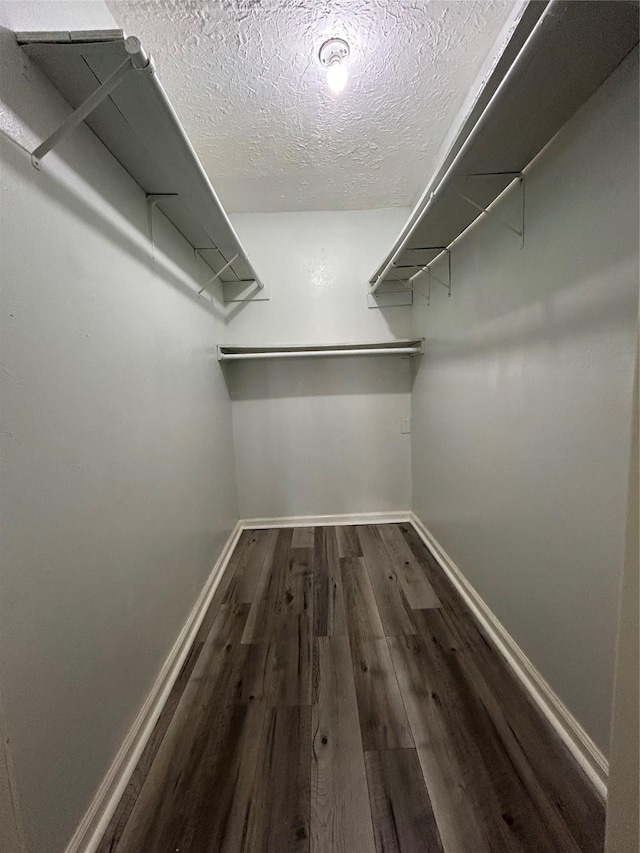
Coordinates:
[340,698]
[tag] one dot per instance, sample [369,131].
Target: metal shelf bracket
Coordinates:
[152,201]
[426,295]
[427,269]
[218,274]
[137,60]
[446,284]
[79,115]
[490,211]
[240,290]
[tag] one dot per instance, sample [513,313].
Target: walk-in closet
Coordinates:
[319,426]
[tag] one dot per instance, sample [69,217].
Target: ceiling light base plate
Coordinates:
[333,50]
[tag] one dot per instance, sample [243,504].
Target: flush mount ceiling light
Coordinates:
[333,56]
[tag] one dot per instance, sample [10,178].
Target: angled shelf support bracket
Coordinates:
[239,290]
[218,274]
[446,284]
[395,293]
[490,210]
[136,61]
[390,280]
[430,275]
[152,200]
[77,116]
[415,278]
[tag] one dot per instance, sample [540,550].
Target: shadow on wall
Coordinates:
[552,315]
[553,289]
[271,379]
[393,317]
[139,249]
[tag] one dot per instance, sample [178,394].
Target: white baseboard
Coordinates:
[89,833]
[390,517]
[579,743]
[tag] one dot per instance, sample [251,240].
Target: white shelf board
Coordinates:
[137,124]
[559,54]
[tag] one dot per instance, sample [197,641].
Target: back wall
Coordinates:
[319,436]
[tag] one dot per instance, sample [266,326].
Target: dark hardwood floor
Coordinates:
[340,698]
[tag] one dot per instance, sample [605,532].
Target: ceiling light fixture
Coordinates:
[333,56]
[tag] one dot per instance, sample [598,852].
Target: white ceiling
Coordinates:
[244,79]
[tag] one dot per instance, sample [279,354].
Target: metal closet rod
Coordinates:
[487,113]
[319,353]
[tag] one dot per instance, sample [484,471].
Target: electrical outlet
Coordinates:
[405,426]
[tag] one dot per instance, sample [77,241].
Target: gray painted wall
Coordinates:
[118,461]
[320,436]
[623,813]
[521,406]
[118,472]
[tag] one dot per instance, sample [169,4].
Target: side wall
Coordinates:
[623,813]
[118,481]
[522,404]
[319,436]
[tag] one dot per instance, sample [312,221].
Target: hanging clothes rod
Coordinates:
[406,348]
[318,353]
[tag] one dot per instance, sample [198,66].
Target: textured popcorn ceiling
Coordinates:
[244,78]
